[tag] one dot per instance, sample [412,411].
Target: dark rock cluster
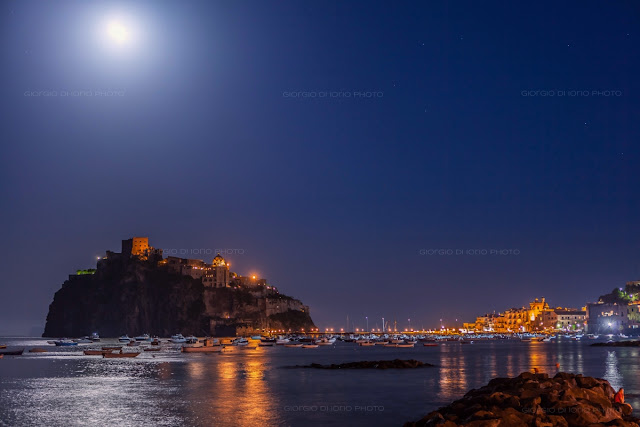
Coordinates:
[373,364]
[535,400]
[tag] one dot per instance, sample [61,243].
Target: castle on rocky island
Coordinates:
[137,290]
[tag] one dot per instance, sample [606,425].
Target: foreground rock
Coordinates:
[535,400]
[617,344]
[373,364]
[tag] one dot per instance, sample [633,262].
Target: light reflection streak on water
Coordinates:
[240,392]
[612,374]
[453,375]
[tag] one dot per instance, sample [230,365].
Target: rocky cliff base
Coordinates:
[535,400]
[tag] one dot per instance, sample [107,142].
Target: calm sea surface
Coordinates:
[255,387]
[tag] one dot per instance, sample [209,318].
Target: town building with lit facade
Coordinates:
[538,317]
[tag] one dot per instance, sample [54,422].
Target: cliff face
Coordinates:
[131,296]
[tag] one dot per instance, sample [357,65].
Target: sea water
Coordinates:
[244,387]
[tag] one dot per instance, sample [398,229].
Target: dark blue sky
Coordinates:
[201,146]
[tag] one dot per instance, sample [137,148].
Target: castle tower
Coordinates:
[220,273]
[136,246]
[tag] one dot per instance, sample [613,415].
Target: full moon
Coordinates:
[117,32]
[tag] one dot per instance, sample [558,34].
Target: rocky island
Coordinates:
[535,400]
[138,291]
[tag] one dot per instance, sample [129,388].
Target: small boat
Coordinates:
[296,345]
[178,339]
[326,341]
[38,350]
[12,352]
[366,344]
[4,346]
[65,343]
[143,337]
[133,343]
[119,355]
[191,340]
[430,344]
[155,341]
[152,349]
[310,346]
[96,352]
[202,349]
[83,340]
[282,341]
[240,341]
[405,345]
[111,348]
[124,338]
[267,343]
[94,337]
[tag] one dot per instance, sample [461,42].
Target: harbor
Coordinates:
[248,384]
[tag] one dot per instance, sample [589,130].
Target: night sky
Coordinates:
[330,147]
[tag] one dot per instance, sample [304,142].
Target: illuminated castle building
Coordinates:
[217,275]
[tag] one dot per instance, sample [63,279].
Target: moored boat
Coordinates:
[178,339]
[143,337]
[37,350]
[4,346]
[83,340]
[293,345]
[202,349]
[310,346]
[152,349]
[111,348]
[430,344]
[12,352]
[65,343]
[119,355]
[405,345]
[124,338]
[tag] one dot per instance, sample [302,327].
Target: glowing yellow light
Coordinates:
[117,32]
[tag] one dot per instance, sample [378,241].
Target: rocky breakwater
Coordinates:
[535,400]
